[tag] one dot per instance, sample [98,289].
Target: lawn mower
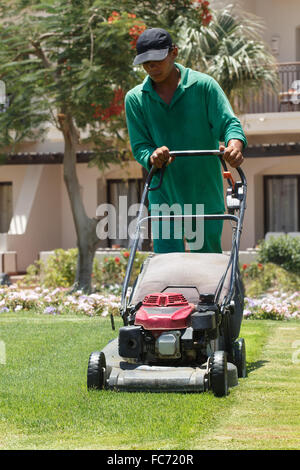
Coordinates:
[183,315]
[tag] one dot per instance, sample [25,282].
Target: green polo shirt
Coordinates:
[198,118]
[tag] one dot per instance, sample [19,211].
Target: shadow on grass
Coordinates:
[251,366]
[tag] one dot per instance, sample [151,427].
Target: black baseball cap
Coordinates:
[153,44]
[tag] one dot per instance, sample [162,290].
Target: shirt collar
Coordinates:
[188,78]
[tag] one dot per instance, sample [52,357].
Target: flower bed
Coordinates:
[275,306]
[46,287]
[57,301]
[272,292]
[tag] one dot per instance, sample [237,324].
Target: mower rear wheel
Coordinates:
[96,371]
[239,351]
[219,374]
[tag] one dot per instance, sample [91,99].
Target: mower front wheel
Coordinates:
[239,350]
[219,373]
[96,371]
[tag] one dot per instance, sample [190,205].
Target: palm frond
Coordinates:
[231,50]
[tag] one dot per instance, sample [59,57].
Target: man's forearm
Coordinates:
[236,143]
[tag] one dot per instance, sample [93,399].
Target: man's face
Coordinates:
[159,70]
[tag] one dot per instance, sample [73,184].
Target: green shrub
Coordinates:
[32,275]
[259,278]
[283,251]
[60,269]
[112,269]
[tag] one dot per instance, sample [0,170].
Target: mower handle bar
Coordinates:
[195,153]
[192,153]
[231,217]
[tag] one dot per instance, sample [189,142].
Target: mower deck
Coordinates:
[125,376]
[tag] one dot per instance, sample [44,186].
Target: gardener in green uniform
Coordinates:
[177,108]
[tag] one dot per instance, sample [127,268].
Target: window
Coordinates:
[282,203]
[131,190]
[5,206]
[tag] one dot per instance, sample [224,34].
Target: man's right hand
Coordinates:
[160,156]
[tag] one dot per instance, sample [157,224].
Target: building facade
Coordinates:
[35,214]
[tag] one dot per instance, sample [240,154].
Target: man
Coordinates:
[177,108]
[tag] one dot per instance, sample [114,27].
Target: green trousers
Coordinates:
[206,239]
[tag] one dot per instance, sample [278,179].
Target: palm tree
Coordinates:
[231,50]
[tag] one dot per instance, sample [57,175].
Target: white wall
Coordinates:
[43,219]
[271,127]
[282,20]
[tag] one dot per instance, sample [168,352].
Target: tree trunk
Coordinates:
[85,227]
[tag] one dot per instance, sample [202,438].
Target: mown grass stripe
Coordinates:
[267,409]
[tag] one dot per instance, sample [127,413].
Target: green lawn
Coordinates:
[44,403]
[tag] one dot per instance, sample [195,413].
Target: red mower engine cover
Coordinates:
[169,311]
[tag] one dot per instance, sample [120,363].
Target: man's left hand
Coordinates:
[233,153]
